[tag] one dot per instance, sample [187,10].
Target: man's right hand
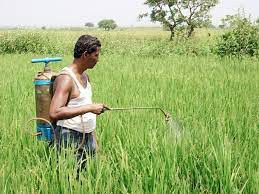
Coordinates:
[98,108]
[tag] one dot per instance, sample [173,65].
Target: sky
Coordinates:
[62,13]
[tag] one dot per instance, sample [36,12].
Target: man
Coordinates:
[71,106]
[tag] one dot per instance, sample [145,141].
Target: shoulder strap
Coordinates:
[68,71]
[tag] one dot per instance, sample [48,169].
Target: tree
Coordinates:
[163,12]
[195,13]
[174,13]
[241,40]
[89,24]
[232,21]
[228,21]
[107,24]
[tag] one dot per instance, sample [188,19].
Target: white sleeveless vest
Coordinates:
[85,97]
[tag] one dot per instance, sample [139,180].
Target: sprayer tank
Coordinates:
[43,94]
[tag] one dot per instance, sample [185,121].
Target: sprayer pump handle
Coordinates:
[46,60]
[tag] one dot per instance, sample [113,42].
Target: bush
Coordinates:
[240,41]
[32,42]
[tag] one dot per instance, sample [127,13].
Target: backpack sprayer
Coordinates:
[43,82]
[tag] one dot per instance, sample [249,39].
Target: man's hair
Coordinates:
[86,43]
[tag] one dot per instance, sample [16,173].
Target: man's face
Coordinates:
[92,59]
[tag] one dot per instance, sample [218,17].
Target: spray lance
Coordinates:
[174,125]
[167,115]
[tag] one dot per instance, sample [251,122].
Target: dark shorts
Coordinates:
[68,138]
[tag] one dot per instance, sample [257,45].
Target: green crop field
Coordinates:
[215,100]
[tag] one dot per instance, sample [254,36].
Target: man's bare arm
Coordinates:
[58,108]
